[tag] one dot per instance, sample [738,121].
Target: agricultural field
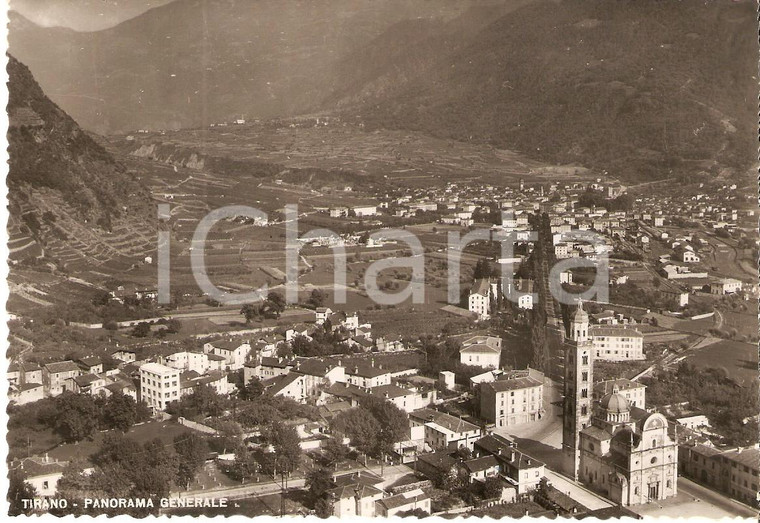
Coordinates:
[406,157]
[738,359]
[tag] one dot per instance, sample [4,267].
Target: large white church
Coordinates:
[623,452]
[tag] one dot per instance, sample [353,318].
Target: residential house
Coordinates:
[391,506]
[519,469]
[187,360]
[480,355]
[479,300]
[444,431]
[725,286]
[91,384]
[42,473]
[234,352]
[513,398]
[355,494]
[367,374]
[59,377]
[127,356]
[23,393]
[91,364]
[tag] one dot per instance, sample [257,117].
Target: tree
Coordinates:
[492,488]
[393,423]
[251,390]
[323,508]
[191,450]
[76,416]
[19,490]
[317,298]
[360,426]
[274,305]
[319,481]
[204,401]
[287,446]
[120,412]
[244,466]
[161,466]
[334,450]
[250,312]
[173,326]
[141,330]
[483,269]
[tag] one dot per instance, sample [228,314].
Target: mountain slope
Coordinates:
[194,62]
[641,88]
[62,185]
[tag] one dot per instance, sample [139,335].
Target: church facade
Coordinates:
[623,452]
[627,454]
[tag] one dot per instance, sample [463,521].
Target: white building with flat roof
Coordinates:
[159,385]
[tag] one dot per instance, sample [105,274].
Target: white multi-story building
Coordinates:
[516,397]
[632,391]
[444,431]
[725,286]
[159,385]
[617,343]
[234,352]
[481,351]
[479,300]
[196,361]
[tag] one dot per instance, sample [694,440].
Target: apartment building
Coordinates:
[515,397]
[159,385]
[617,343]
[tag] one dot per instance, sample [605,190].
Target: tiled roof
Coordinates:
[38,466]
[480,464]
[446,421]
[749,457]
[514,383]
[278,383]
[480,287]
[86,379]
[61,366]
[480,348]
[615,331]
[406,498]
[607,386]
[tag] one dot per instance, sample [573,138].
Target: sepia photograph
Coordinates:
[382,258]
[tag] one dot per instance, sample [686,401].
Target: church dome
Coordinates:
[614,403]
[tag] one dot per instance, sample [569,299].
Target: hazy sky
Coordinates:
[82,15]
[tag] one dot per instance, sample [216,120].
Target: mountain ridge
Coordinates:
[61,182]
[644,89]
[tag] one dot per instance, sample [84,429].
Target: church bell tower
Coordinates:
[579,382]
